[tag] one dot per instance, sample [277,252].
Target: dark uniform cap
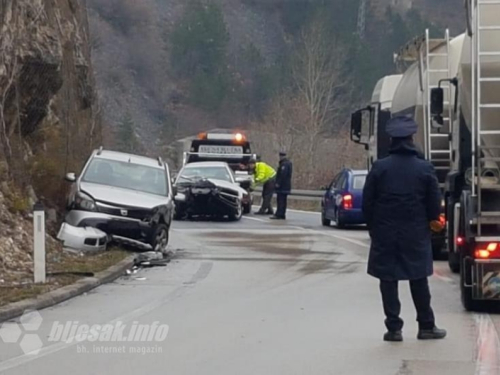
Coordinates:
[282,153]
[401,127]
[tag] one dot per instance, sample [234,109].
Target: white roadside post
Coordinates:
[39,243]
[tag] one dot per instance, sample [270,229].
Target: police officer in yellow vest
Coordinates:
[264,175]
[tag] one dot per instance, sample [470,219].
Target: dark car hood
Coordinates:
[122,197]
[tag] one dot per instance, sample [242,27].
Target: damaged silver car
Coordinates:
[129,197]
[209,189]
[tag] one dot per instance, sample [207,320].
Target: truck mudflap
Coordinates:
[486,279]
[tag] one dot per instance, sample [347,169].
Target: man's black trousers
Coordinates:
[421,298]
[282,201]
[267,196]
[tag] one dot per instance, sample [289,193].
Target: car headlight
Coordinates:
[84,202]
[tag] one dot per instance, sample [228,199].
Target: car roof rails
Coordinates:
[160,161]
[99,152]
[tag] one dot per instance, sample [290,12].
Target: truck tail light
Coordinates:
[347,201]
[488,250]
[460,241]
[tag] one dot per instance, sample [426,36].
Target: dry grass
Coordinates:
[90,263]
[71,269]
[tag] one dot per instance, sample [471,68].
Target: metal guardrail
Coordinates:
[304,195]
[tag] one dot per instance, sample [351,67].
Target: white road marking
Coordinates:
[256,219]
[304,212]
[446,279]
[347,239]
[487,346]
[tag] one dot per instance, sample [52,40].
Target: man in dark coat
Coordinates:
[283,186]
[401,198]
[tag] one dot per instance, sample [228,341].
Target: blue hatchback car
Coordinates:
[343,199]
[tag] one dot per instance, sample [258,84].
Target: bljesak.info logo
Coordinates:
[111,338]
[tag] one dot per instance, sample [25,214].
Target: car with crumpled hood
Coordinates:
[209,189]
[127,196]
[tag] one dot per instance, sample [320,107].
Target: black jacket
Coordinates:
[400,199]
[284,177]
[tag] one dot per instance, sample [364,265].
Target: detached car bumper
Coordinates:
[83,239]
[136,232]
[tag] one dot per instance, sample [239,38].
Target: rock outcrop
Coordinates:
[46,83]
[48,120]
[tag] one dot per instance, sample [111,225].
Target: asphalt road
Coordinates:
[258,297]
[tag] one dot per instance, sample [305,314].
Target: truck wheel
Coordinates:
[437,251]
[453,262]
[468,302]
[453,257]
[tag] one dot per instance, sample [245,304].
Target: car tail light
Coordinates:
[487,250]
[347,201]
[460,241]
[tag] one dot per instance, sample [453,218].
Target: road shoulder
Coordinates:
[59,295]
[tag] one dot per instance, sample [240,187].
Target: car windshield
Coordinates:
[358,182]
[194,173]
[127,176]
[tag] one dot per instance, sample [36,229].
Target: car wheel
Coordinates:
[338,222]
[326,222]
[236,216]
[160,238]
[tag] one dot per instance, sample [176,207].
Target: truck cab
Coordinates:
[368,124]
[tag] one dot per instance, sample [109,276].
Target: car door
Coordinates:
[330,198]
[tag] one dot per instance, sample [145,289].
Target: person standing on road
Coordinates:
[283,186]
[401,201]
[264,175]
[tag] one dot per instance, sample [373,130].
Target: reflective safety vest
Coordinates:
[263,173]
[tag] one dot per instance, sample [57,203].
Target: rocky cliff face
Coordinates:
[45,72]
[48,117]
[47,101]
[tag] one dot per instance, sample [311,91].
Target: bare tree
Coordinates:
[320,77]
[323,90]
[309,120]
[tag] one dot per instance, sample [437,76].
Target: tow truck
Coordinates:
[231,147]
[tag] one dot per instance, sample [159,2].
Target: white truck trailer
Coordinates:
[472,185]
[452,89]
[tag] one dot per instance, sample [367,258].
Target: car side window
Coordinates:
[344,183]
[340,182]
[333,185]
